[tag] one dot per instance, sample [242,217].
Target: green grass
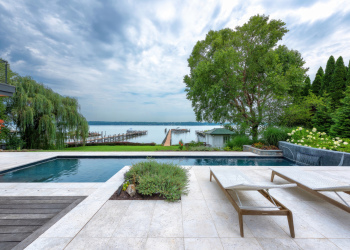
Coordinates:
[122,148]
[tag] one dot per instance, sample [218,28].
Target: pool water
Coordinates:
[101,169]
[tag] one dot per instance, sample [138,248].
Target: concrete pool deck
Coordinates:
[202,220]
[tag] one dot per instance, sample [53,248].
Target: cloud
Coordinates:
[125,60]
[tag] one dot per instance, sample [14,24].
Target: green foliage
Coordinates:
[14,141]
[307,86]
[125,185]
[312,138]
[272,135]
[322,120]
[181,144]
[241,75]
[4,130]
[44,118]
[341,118]
[348,76]
[193,144]
[300,114]
[316,85]
[238,141]
[327,78]
[337,88]
[164,179]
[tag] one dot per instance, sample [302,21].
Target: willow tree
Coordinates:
[241,76]
[43,117]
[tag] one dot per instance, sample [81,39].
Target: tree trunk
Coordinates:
[255,132]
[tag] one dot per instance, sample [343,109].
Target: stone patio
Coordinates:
[204,219]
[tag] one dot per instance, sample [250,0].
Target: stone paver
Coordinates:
[202,220]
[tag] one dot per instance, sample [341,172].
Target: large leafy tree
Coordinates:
[241,75]
[342,118]
[44,118]
[328,75]
[337,88]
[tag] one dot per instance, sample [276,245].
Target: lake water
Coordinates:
[155,134]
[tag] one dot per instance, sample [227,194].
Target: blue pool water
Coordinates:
[101,169]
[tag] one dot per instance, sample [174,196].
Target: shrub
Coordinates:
[201,148]
[312,138]
[272,135]
[181,144]
[238,141]
[164,179]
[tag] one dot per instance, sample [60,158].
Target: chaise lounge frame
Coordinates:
[282,210]
[340,205]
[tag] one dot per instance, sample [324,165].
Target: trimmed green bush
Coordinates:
[272,135]
[238,141]
[164,179]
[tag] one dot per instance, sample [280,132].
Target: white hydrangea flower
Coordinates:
[322,139]
[289,134]
[324,147]
[314,130]
[307,131]
[345,143]
[337,138]
[301,140]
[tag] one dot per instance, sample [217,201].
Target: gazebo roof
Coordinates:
[219,131]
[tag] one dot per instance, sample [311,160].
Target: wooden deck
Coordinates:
[23,219]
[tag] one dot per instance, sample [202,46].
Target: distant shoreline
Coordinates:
[155,123]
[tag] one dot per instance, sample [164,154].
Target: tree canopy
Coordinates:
[327,78]
[242,76]
[341,118]
[43,118]
[337,88]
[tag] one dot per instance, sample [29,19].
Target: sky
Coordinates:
[125,60]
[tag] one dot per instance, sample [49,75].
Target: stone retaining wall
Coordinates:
[248,148]
[321,157]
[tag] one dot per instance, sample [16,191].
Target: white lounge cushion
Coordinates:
[311,180]
[232,178]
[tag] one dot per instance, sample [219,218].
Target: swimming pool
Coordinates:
[101,169]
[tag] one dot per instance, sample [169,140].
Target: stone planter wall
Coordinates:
[248,148]
[313,156]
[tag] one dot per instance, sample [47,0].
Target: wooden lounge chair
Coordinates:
[230,178]
[314,184]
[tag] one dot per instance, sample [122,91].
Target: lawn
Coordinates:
[122,148]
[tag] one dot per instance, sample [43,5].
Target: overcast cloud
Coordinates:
[125,60]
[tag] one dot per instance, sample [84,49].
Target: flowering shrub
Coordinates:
[181,144]
[312,138]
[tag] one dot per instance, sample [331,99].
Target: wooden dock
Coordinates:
[112,138]
[167,140]
[23,219]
